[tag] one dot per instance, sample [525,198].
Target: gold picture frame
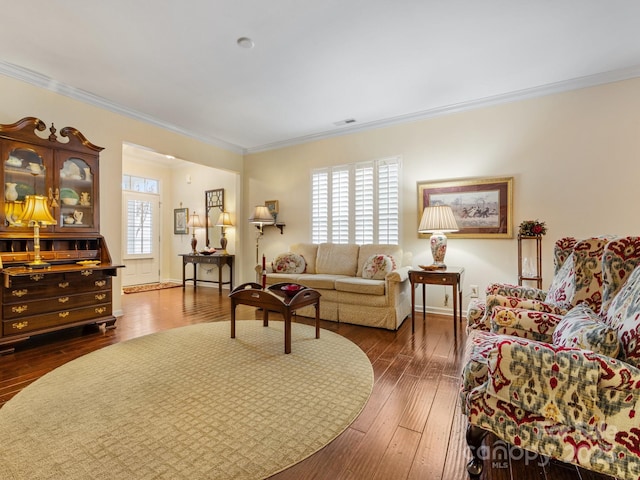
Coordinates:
[483,207]
[274,208]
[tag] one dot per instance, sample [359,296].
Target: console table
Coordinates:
[449,276]
[218,260]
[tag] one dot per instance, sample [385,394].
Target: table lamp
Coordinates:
[261,217]
[224,221]
[35,213]
[193,223]
[437,220]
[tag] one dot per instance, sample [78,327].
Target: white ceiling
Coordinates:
[177,64]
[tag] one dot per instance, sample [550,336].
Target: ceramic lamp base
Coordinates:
[194,243]
[438,243]
[223,245]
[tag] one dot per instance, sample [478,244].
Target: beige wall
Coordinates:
[574,158]
[109,130]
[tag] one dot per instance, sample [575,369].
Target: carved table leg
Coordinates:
[475,435]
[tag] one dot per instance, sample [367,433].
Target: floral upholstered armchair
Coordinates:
[574,398]
[579,280]
[477,309]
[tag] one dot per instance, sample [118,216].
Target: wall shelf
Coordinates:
[278,225]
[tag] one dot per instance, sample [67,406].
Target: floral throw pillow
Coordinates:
[563,287]
[289,263]
[377,266]
[582,328]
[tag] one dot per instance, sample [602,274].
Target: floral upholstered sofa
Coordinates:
[360,284]
[575,395]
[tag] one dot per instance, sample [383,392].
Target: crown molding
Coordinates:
[534,92]
[39,80]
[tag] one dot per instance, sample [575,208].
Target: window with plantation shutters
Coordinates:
[356,203]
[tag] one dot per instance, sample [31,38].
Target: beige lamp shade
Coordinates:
[194,221]
[438,218]
[224,220]
[261,216]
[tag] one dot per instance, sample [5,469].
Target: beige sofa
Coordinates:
[336,271]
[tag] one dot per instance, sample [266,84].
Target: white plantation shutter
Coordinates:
[388,202]
[320,206]
[364,204]
[139,227]
[340,215]
[357,203]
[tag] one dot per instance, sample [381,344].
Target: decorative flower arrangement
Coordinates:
[532,228]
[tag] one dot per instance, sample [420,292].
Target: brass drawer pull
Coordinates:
[20,309]
[100,283]
[101,310]
[101,296]
[36,277]
[63,314]
[20,325]
[86,273]
[63,284]
[19,293]
[63,299]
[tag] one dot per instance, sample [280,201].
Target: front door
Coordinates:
[141,242]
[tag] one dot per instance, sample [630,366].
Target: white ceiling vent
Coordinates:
[344,122]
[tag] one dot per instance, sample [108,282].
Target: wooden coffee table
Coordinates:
[273,299]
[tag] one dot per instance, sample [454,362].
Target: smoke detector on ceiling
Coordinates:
[245,42]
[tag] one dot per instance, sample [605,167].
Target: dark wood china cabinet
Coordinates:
[72,285]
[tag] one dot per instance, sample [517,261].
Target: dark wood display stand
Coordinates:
[273,299]
[521,275]
[75,287]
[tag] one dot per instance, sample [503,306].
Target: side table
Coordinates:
[273,299]
[448,276]
[219,260]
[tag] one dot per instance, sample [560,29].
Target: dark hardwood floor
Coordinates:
[411,427]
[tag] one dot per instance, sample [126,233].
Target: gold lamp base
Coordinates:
[37,264]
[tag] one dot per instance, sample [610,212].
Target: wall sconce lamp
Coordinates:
[437,220]
[261,217]
[224,222]
[35,213]
[193,223]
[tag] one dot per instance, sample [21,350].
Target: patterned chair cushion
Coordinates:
[543,379]
[376,267]
[562,288]
[289,263]
[582,328]
[519,291]
[624,316]
[621,256]
[588,258]
[524,322]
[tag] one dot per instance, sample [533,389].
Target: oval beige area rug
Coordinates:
[187,403]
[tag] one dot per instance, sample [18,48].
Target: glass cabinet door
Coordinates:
[76,184]
[25,171]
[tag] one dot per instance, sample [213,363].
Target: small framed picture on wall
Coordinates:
[180,217]
[273,207]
